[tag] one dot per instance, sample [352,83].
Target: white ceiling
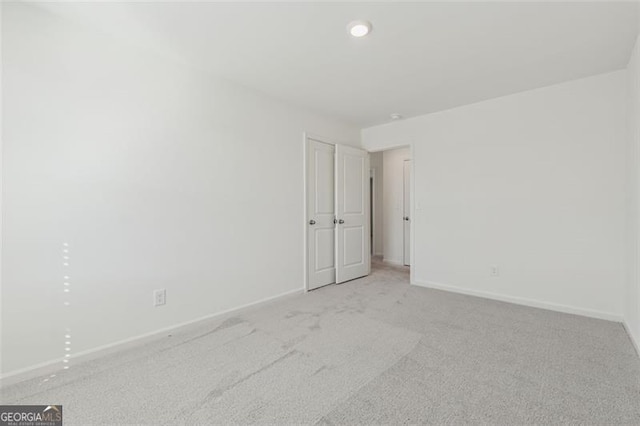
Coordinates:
[419,58]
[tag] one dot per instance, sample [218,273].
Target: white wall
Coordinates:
[393,204]
[632,291]
[534,183]
[155,174]
[376,164]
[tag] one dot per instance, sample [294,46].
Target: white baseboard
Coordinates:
[50,367]
[521,301]
[393,262]
[635,340]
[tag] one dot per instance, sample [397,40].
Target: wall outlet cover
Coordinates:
[159,297]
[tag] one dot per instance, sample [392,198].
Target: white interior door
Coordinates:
[320,212]
[406,212]
[352,211]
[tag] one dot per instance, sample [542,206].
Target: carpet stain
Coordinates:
[228,323]
[291,343]
[324,367]
[293,314]
[218,392]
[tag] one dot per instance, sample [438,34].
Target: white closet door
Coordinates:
[406,212]
[320,211]
[352,211]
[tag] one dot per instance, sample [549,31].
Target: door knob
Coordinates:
[341,221]
[406,218]
[312,222]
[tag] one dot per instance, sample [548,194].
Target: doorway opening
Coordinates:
[391,206]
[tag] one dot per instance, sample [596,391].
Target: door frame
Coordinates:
[412,199]
[404,224]
[372,176]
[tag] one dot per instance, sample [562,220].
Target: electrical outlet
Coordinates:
[495,271]
[159,297]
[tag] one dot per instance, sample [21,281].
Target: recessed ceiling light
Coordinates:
[359,28]
[396,116]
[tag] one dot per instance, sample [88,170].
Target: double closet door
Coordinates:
[337,213]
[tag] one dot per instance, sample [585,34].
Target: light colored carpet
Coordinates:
[371,351]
